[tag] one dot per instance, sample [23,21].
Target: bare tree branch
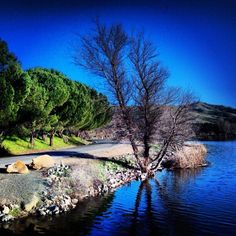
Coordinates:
[149,112]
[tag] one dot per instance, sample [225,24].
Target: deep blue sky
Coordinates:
[196,39]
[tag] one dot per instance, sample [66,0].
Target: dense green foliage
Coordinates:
[14,87]
[44,101]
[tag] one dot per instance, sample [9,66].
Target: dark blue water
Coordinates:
[186,202]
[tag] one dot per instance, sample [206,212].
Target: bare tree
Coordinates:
[150,96]
[149,110]
[175,127]
[104,54]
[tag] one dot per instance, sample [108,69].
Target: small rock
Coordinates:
[32,204]
[74,201]
[6,218]
[52,208]
[42,212]
[43,161]
[6,210]
[18,167]
[44,193]
[55,210]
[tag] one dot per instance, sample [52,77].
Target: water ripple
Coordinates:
[187,202]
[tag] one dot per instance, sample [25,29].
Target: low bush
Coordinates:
[190,156]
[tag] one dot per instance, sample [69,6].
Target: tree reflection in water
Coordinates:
[182,202]
[145,190]
[159,209]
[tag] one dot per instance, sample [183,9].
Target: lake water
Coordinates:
[187,202]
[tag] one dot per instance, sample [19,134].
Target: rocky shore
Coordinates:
[57,200]
[64,186]
[49,187]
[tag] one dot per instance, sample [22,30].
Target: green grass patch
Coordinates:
[15,145]
[15,212]
[156,147]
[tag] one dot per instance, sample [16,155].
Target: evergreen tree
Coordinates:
[57,94]
[76,111]
[15,86]
[33,114]
[101,109]
[45,100]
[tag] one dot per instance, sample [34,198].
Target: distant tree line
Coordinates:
[44,102]
[214,122]
[221,129]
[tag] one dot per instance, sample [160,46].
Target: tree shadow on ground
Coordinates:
[4,152]
[3,171]
[74,154]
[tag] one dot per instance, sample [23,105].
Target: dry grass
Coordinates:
[190,156]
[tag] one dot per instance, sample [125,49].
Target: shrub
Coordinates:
[190,156]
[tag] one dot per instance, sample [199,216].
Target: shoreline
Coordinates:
[65,185]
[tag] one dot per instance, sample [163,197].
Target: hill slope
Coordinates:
[214,122]
[211,122]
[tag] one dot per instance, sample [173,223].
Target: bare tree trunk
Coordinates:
[127,121]
[146,152]
[32,141]
[65,139]
[52,134]
[126,118]
[1,134]
[44,137]
[60,133]
[78,133]
[1,138]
